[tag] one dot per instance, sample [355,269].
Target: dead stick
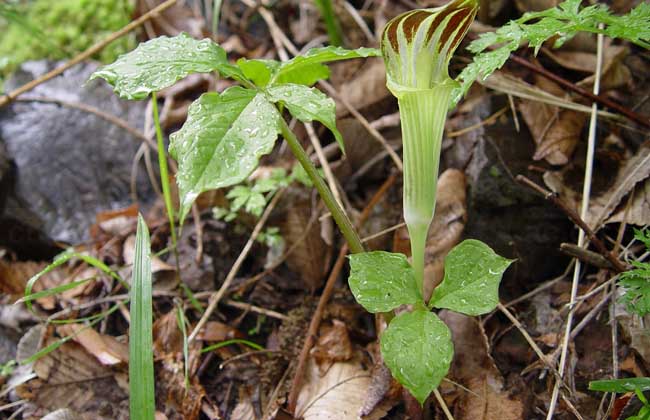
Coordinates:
[644,121]
[4,100]
[575,218]
[310,339]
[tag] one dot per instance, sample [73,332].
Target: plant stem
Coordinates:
[164,172]
[339,215]
[423,113]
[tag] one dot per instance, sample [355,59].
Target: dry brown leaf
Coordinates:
[555,132]
[309,258]
[366,88]
[179,402]
[337,395]
[638,212]
[447,226]
[218,331]
[105,348]
[14,277]
[70,377]
[333,345]
[474,368]
[535,5]
[615,73]
[128,254]
[633,171]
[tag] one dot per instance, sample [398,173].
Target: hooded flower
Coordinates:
[418,45]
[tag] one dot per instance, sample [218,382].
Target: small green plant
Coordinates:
[562,22]
[636,385]
[253,196]
[636,282]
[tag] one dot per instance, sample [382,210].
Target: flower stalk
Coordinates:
[417,47]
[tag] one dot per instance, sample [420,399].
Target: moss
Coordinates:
[62,28]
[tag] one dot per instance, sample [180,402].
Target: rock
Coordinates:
[69,164]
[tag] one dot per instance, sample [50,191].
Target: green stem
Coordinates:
[423,113]
[339,215]
[164,172]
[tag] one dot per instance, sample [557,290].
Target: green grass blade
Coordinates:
[55,345]
[61,259]
[180,318]
[233,341]
[54,290]
[331,23]
[141,377]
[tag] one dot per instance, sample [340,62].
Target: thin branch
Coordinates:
[310,338]
[579,221]
[216,297]
[586,193]
[4,100]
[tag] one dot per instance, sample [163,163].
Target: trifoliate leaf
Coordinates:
[471,283]
[307,104]
[222,140]
[418,350]
[161,62]
[382,281]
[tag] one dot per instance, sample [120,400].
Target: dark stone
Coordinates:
[69,164]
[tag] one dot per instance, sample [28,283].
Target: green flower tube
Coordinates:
[417,47]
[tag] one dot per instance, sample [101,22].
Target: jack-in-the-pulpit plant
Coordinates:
[417,47]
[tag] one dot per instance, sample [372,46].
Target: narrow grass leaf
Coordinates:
[233,341]
[141,375]
[61,259]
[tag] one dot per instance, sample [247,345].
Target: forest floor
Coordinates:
[286,265]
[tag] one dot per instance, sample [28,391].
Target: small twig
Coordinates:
[4,100]
[383,232]
[310,338]
[443,405]
[644,121]
[592,258]
[322,159]
[575,218]
[586,195]
[216,297]
[117,121]
[256,309]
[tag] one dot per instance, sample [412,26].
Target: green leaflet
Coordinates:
[418,350]
[563,21]
[258,71]
[307,68]
[471,283]
[382,281]
[161,62]
[302,70]
[307,104]
[222,140]
[620,385]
